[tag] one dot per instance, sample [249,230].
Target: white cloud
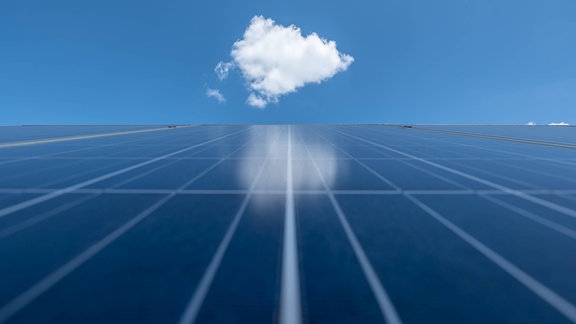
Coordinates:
[256,101]
[531,123]
[559,124]
[222,69]
[215,93]
[276,60]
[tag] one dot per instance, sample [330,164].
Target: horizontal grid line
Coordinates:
[11,191]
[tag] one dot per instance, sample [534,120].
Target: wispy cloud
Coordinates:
[222,69]
[559,124]
[215,93]
[276,60]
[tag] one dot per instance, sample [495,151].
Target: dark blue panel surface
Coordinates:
[30,255]
[7,200]
[419,260]
[247,285]
[149,274]
[551,259]
[334,287]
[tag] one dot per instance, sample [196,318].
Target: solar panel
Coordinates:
[288,223]
[27,133]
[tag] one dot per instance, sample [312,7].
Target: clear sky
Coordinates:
[137,61]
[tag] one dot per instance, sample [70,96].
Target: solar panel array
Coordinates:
[289,223]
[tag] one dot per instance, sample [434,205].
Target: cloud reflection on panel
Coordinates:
[264,166]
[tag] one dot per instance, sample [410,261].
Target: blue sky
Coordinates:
[480,61]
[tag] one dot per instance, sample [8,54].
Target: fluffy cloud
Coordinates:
[276,60]
[215,93]
[222,69]
[559,124]
[256,101]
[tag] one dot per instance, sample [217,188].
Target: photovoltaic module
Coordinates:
[287,223]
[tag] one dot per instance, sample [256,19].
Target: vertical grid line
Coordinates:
[290,309]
